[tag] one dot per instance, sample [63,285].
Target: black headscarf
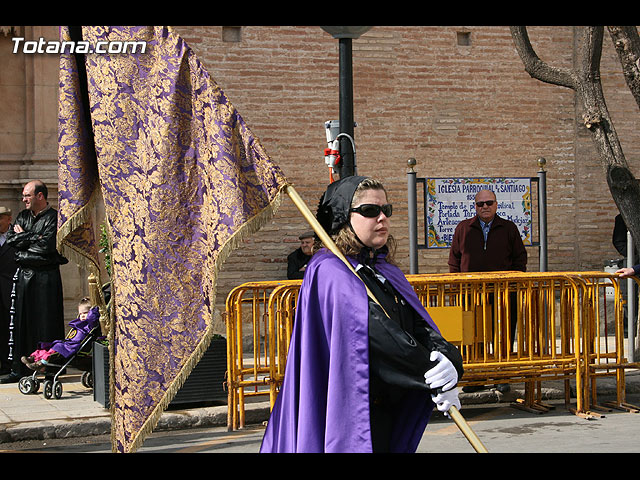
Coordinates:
[335,203]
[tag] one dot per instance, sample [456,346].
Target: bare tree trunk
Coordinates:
[627,45]
[584,79]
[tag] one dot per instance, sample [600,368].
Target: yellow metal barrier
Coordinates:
[249,370]
[543,346]
[282,305]
[562,332]
[603,337]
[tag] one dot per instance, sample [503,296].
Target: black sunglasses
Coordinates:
[370,210]
[488,202]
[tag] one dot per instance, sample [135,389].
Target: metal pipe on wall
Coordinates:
[347,167]
[542,212]
[631,298]
[413,220]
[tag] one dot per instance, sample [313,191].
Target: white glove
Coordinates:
[445,400]
[443,375]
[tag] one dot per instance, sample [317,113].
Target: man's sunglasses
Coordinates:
[370,210]
[482,204]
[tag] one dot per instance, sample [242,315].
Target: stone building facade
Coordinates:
[455,98]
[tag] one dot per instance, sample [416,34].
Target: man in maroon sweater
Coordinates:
[488,243]
[500,249]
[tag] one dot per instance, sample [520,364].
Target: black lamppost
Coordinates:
[345,35]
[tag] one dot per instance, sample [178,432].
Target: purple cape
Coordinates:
[323,404]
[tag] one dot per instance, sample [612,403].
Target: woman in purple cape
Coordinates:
[360,378]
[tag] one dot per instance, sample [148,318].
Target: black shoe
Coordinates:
[11,378]
[473,388]
[503,387]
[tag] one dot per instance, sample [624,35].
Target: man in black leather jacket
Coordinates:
[38,309]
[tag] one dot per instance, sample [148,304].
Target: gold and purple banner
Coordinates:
[183,180]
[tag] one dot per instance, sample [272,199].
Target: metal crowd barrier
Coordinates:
[604,354]
[562,332]
[251,370]
[475,311]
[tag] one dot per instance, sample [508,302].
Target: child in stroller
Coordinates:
[54,357]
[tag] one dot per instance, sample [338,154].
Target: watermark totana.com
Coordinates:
[20,45]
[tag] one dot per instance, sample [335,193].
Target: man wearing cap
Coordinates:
[298,259]
[39,314]
[8,267]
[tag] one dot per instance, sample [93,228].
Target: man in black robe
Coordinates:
[38,314]
[8,269]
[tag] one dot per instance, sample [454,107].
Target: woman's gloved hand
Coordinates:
[443,375]
[445,400]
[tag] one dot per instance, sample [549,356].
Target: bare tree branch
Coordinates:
[584,79]
[537,68]
[596,116]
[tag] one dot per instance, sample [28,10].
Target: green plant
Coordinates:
[105,247]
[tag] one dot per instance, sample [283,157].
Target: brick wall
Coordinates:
[459,110]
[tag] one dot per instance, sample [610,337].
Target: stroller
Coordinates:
[76,351]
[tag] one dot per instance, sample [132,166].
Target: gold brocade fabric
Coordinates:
[183,181]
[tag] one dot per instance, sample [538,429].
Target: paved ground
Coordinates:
[77,414]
